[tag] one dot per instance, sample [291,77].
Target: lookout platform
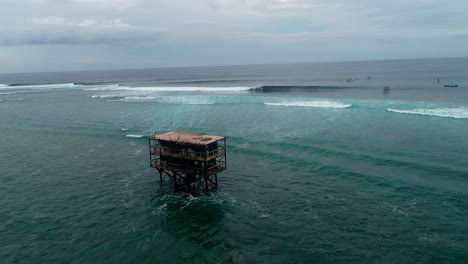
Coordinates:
[193,161]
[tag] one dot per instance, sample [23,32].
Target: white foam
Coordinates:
[319,104]
[103,96]
[459,112]
[168,89]
[3,85]
[42,86]
[139,98]
[7,93]
[135,136]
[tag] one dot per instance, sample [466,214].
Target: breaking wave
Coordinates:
[7,93]
[439,112]
[104,96]
[318,104]
[137,98]
[134,136]
[169,89]
[104,86]
[215,81]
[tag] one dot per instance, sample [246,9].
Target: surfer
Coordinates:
[386,90]
[349,80]
[437,80]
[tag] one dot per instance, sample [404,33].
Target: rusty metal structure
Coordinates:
[192,161]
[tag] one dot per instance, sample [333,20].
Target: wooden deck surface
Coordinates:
[188,138]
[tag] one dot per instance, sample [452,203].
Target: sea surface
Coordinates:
[320,170]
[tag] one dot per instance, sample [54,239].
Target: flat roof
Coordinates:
[188,138]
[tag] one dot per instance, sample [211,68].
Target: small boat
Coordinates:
[451,85]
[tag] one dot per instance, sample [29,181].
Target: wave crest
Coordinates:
[138,98]
[134,136]
[317,104]
[459,112]
[169,89]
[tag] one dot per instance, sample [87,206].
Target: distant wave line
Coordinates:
[169,89]
[285,88]
[204,81]
[38,86]
[106,86]
[210,88]
[51,86]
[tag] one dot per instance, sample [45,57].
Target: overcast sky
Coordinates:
[56,35]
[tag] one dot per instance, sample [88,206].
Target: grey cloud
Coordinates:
[117,4]
[53,30]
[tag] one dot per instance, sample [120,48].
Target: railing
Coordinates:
[187,153]
[218,167]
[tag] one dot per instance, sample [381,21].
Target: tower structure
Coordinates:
[193,161]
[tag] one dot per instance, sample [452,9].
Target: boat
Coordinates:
[451,85]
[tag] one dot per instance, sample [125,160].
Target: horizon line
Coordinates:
[235,65]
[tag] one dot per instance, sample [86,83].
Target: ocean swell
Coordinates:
[289,88]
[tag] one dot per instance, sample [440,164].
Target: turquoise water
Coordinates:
[319,170]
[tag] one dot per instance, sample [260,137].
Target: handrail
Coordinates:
[221,165]
[164,151]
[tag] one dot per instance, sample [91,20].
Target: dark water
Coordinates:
[320,170]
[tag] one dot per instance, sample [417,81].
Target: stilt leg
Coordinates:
[205,178]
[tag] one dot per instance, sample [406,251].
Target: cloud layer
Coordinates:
[58,30]
[352,29]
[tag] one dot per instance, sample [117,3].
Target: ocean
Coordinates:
[320,169]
